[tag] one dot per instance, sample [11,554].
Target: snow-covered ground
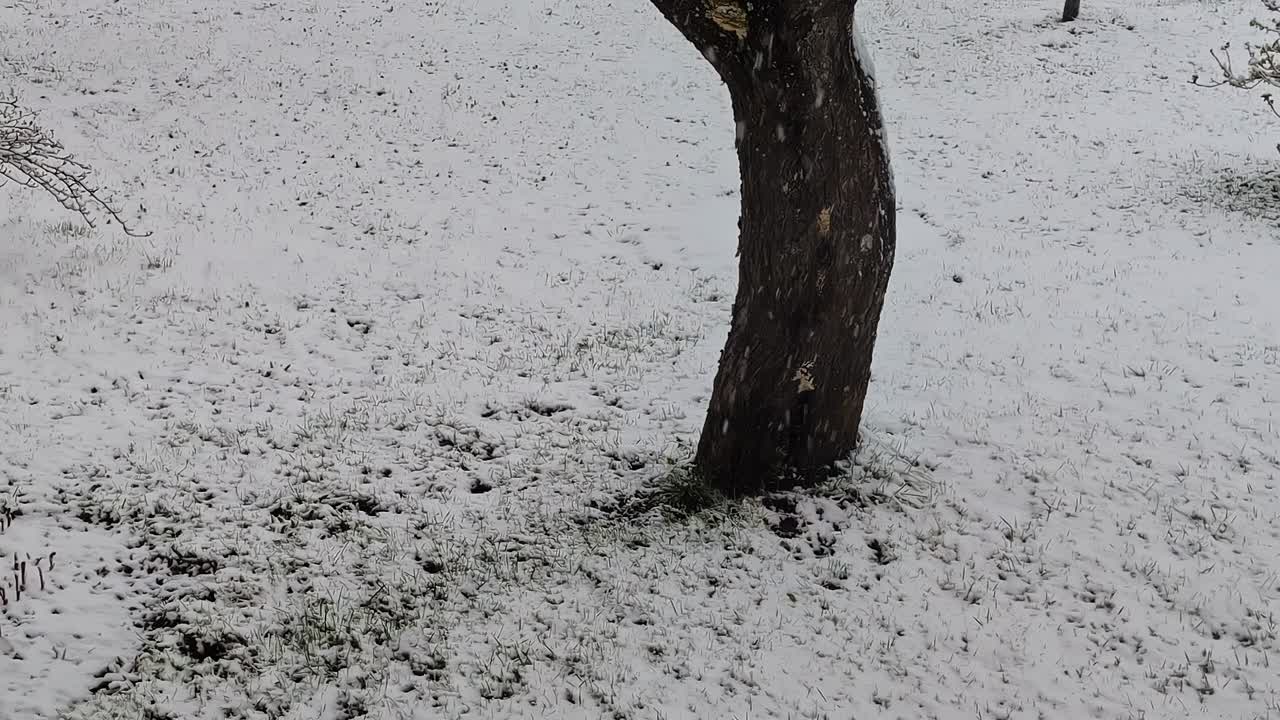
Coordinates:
[436,289]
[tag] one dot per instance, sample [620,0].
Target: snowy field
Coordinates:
[437,289]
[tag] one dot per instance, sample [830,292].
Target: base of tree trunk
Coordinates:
[1070,10]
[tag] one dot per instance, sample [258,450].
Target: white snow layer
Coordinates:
[861,55]
[434,288]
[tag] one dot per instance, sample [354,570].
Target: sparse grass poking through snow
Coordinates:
[400,429]
[22,573]
[678,493]
[882,470]
[1249,189]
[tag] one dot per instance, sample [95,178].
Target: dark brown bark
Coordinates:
[1070,10]
[816,238]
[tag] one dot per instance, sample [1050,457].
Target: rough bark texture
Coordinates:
[816,237]
[1070,10]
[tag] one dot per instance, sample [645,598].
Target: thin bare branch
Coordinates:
[1263,61]
[32,158]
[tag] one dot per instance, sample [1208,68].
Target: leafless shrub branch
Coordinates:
[1263,66]
[31,157]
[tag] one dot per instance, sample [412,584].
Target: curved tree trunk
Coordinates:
[816,238]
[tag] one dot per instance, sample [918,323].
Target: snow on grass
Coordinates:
[390,416]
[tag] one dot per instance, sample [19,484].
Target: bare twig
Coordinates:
[1263,67]
[31,157]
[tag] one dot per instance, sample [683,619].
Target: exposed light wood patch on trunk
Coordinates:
[728,16]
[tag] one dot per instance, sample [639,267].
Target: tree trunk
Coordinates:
[816,239]
[1070,10]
